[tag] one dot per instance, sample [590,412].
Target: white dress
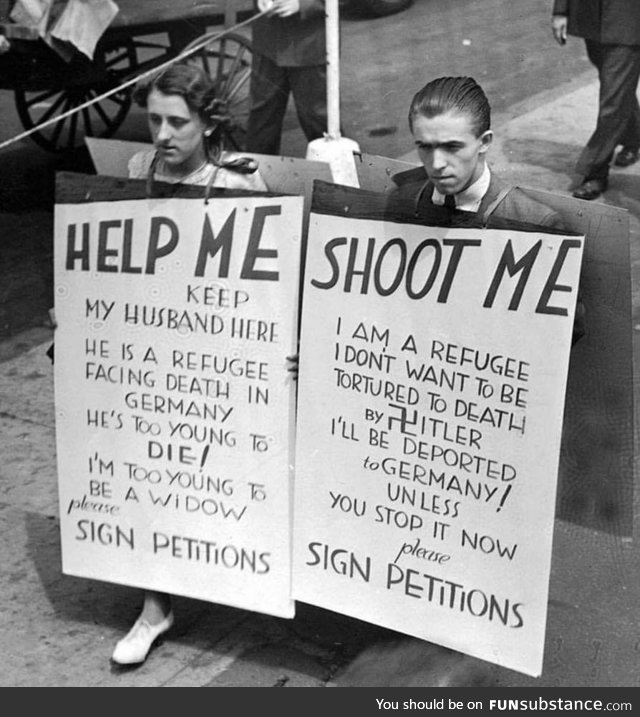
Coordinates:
[225,178]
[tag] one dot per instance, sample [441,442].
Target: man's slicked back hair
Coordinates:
[458,94]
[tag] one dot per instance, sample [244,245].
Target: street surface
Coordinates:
[58,630]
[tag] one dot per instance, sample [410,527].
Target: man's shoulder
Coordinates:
[515,204]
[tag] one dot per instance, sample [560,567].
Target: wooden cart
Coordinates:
[144,34]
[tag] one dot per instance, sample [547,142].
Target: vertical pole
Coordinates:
[333,149]
[333,68]
[229,13]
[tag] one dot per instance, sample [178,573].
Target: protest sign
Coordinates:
[174,405]
[376,173]
[597,465]
[597,469]
[285,175]
[432,375]
[288,175]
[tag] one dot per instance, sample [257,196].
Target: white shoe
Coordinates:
[135,645]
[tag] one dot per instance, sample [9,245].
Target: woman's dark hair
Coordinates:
[189,81]
[459,94]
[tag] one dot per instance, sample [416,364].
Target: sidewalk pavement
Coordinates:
[58,630]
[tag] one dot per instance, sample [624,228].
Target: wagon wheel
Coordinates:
[227,60]
[79,82]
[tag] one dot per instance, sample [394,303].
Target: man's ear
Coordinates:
[486,138]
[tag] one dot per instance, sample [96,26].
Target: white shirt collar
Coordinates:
[469,199]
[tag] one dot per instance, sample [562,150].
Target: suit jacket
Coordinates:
[295,41]
[413,185]
[613,22]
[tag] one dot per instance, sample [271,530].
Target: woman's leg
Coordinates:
[156,607]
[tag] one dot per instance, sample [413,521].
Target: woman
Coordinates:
[185,120]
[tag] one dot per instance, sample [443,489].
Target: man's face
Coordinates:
[452,155]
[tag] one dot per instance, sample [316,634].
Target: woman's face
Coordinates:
[176,130]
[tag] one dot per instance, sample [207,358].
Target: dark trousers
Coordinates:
[618,113]
[270,89]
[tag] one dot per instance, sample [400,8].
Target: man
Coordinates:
[611,31]
[289,57]
[450,120]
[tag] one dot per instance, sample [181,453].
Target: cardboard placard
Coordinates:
[285,175]
[174,405]
[596,486]
[432,375]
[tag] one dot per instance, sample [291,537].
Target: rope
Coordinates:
[196,45]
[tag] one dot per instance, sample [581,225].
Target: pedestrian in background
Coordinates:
[289,57]
[611,31]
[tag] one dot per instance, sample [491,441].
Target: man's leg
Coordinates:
[619,71]
[631,135]
[630,140]
[269,93]
[309,88]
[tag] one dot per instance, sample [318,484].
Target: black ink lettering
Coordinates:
[210,245]
[155,250]
[253,249]
[508,262]
[551,286]
[333,262]
[74,254]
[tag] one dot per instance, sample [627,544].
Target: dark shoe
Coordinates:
[626,157]
[591,189]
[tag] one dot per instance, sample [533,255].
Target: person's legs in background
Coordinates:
[269,93]
[619,70]
[309,88]
[630,140]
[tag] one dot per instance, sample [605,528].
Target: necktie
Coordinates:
[449,201]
